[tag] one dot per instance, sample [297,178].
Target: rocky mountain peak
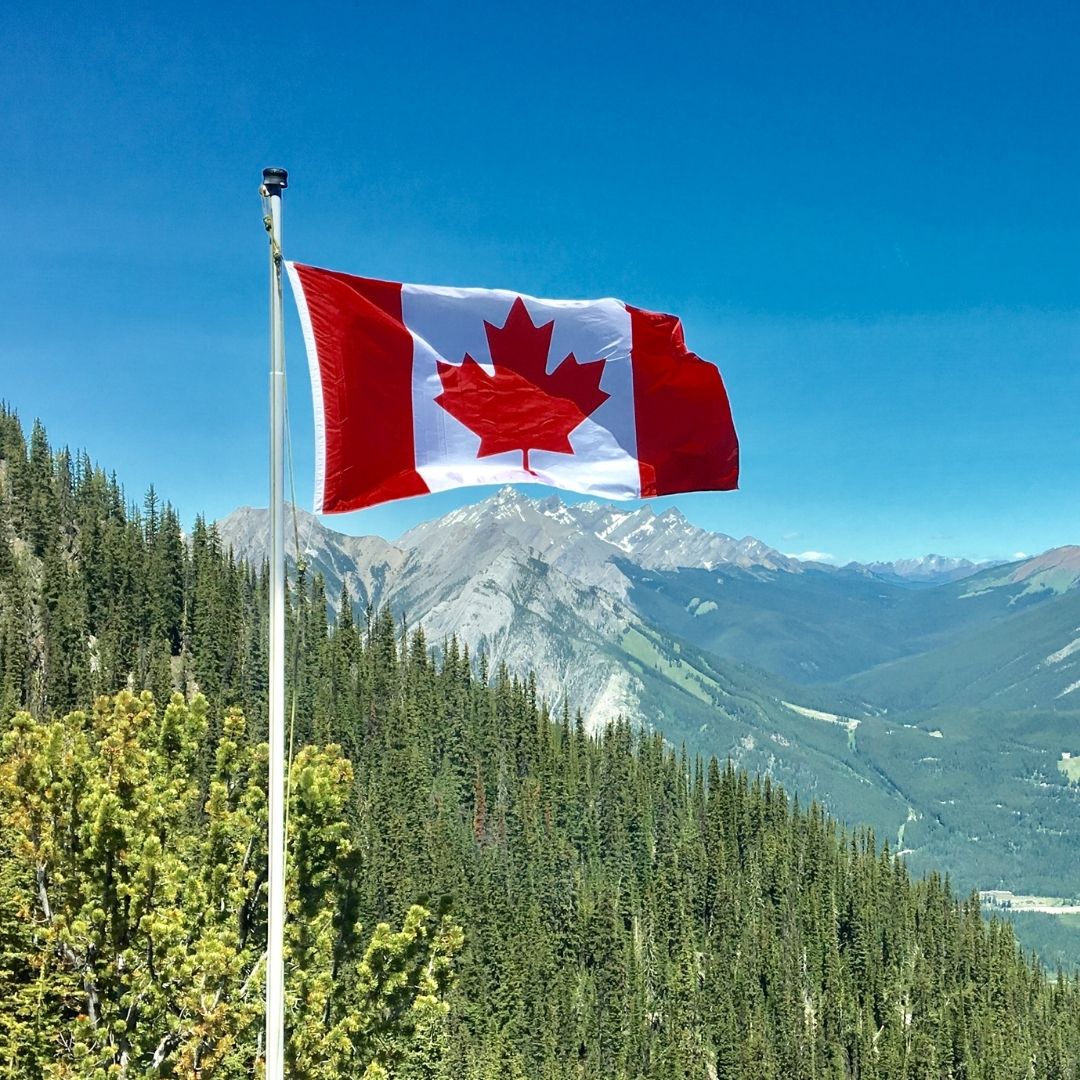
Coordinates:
[924,570]
[569,591]
[587,539]
[508,495]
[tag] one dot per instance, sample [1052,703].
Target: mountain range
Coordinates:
[932,698]
[512,576]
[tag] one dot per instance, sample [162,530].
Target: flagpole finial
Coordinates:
[276,178]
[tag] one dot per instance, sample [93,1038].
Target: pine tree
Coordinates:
[146,907]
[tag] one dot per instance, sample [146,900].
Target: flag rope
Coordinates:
[274,183]
[298,637]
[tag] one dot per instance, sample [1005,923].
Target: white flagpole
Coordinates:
[274,182]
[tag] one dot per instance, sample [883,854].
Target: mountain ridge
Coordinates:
[801,671]
[520,577]
[618,527]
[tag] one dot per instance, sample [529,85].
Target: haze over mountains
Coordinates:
[928,569]
[490,571]
[932,697]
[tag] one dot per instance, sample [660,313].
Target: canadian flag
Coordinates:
[419,388]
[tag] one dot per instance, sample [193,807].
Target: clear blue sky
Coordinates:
[867,214]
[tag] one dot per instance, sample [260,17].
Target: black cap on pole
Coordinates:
[275,178]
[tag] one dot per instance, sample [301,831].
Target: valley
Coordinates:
[936,710]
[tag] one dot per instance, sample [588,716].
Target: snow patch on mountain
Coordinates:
[1061,654]
[826,717]
[556,589]
[926,569]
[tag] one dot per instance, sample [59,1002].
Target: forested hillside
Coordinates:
[627,910]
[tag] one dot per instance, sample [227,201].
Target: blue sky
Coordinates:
[868,215]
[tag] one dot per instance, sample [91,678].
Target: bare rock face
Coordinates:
[821,677]
[587,541]
[595,599]
[366,566]
[536,585]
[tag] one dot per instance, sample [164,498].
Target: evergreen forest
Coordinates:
[479,888]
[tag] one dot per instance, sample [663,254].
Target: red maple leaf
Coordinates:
[522,406]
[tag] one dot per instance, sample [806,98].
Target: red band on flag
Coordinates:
[686,440]
[364,359]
